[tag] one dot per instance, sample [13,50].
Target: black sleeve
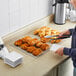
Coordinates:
[71,30]
[70,52]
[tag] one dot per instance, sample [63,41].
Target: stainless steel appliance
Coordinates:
[60,10]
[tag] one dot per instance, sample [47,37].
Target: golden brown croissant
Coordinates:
[31,42]
[55,32]
[36,31]
[37,52]
[42,33]
[31,49]
[24,46]
[44,40]
[44,47]
[18,42]
[48,31]
[26,39]
[38,44]
[35,40]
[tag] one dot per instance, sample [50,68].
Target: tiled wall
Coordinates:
[4,19]
[16,13]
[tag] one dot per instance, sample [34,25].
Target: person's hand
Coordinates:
[67,32]
[73,2]
[60,51]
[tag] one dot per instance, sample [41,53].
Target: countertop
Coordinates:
[35,66]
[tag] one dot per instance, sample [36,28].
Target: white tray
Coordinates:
[21,35]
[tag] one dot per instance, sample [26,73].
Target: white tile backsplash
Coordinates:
[24,4]
[14,20]
[4,17]
[44,7]
[24,16]
[14,5]
[33,9]
[16,13]
[24,12]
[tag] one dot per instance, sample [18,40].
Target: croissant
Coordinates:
[44,40]
[35,40]
[37,52]
[36,31]
[24,46]
[26,39]
[44,47]
[31,42]
[18,42]
[38,44]
[48,31]
[42,33]
[31,49]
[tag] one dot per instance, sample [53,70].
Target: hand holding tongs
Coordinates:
[58,37]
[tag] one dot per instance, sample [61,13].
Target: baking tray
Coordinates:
[19,36]
[26,31]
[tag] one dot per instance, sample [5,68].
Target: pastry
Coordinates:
[18,42]
[24,46]
[53,41]
[37,52]
[43,27]
[36,31]
[42,33]
[38,44]
[31,49]
[44,47]
[55,32]
[57,41]
[26,39]
[48,31]
[44,40]
[31,42]
[35,40]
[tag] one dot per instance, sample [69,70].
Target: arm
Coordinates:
[73,2]
[70,51]
[66,32]
[66,51]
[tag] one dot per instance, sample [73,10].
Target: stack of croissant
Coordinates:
[44,31]
[31,45]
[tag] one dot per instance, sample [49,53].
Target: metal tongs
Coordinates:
[57,37]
